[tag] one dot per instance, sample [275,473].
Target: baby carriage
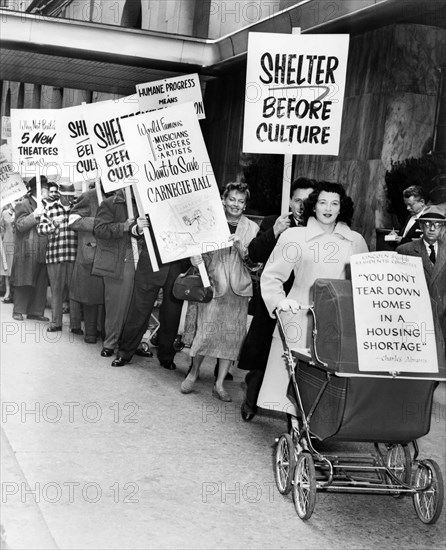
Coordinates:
[337,403]
[151,335]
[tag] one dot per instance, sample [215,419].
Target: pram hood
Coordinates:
[334,344]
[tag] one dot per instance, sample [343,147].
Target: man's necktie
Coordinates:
[432,256]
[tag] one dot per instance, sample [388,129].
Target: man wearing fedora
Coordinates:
[60,255]
[431,248]
[29,273]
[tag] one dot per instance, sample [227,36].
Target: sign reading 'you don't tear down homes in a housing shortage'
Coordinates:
[393,315]
[294,93]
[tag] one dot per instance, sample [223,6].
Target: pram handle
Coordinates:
[299,307]
[314,334]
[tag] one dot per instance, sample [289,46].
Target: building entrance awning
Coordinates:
[104,58]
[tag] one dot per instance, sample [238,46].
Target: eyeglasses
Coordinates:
[432,225]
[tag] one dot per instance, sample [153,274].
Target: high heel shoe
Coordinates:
[222,394]
[187,385]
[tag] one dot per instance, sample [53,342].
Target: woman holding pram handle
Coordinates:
[322,249]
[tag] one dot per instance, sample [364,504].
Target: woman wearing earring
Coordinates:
[322,249]
[221,323]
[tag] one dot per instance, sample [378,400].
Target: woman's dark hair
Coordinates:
[236,186]
[346,212]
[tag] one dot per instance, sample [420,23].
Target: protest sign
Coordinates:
[171,91]
[294,93]
[393,315]
[175,182]
[11,183]
[103,121]
[35,142]
[79,160]
[6,127]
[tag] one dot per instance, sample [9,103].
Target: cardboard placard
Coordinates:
[79,161]
[171,91]
[6,127]
[36,144]
[175,182]
[103,122]
[294,93]
[393,315]
[12,187]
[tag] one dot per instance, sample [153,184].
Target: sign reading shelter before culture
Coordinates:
[171,91]
[175,182]
[79,160]
[393,315]
[294,93]
[103,121]
[36,143]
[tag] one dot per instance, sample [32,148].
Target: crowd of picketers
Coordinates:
[92,254]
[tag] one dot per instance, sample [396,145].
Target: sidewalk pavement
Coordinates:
[104,458]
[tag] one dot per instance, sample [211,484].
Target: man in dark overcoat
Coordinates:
[29,276]
[114,262]
[145,292]
[86,288]
[255,349]
[431,248]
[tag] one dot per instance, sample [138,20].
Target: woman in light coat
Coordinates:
[322,249]
[7,231]
[221,323]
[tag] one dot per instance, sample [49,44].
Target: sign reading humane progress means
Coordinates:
[294,93]
[175,182]
[35,142]
[170,92]
[393,315]
[103,122]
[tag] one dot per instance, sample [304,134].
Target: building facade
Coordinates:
[394,99]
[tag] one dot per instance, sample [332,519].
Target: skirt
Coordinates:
[273,393]
[7,256]
[221,327]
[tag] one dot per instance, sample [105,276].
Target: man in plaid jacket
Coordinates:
[60,255]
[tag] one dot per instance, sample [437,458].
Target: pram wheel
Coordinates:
[145,346]
[154,340]
[399,462]
[284,464]
[304,486]
[178,344]
[428,503]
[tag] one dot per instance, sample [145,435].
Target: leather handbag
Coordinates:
[189,286]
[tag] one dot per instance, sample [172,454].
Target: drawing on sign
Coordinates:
[175,181]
